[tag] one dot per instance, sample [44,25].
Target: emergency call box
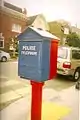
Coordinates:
[37,55]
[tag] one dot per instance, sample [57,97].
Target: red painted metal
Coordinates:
[36,103]
[53,58]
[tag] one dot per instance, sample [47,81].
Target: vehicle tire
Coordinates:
[78,85]
[76,75]
[4,59]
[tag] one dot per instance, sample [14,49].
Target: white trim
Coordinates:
[3,44]
[2,39]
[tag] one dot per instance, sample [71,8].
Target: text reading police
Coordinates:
[29,50]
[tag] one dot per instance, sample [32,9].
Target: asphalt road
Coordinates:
[10,71]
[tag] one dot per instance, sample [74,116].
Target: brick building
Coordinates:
[12,22]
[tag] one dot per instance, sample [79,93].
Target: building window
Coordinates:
[1,41]
[16,28]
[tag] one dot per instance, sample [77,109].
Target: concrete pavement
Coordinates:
[63,105]
[12,90]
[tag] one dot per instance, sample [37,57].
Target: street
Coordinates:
[10,71]
[11,80]
[13,88]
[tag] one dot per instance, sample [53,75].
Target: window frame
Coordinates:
[16,28]
[1,40]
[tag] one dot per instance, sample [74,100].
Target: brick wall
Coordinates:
[6,22]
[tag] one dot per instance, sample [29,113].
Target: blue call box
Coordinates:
[34,54]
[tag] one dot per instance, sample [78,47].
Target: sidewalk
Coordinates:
[12,90]
[62,105]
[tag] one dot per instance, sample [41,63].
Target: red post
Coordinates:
[36,103]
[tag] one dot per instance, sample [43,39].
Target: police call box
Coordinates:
[37,55]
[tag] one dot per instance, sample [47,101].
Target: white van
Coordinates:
[68,62]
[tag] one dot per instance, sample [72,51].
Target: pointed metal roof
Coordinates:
[34,33]
[44,33]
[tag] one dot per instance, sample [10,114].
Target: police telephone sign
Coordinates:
[29,50]
[37,55]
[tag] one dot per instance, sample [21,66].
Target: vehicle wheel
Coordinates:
[76,75]
[78,85]
[3,59]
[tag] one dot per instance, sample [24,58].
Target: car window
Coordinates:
[62,52]
[76,54]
